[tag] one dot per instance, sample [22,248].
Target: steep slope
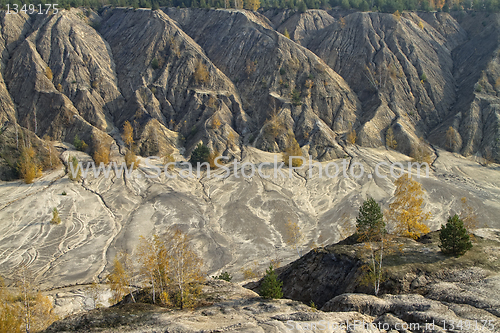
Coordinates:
[384,59]
[447,288]
[401,68]
[475,115]
[49,68]
[301,27]
[286,90]
[167,79]
[13,28]
[82,66]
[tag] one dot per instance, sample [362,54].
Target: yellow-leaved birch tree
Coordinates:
[184,269]
[406,211]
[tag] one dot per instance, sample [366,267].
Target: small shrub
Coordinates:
[271,286]
[478,88]
[48,73]
[78,173]
[497,83]
[200,154]
[420,153]
[293,149]
[251,67]
[174,46]
[454,238]
[211,159]
[64,193]
[282,71]
[390,141]
[421,24]
[274,127]
[342,22]
[212,102]
[28,166]
[224,276]
[154,64]
[101,154]
[351,135]
[296,100]
[216,123]
[59,87]
[55,217]
[397,15]
[201,75]
[131,160]
[249,273]
[423,77]
[168,158]
[286,33]
[276,262]
[79,144]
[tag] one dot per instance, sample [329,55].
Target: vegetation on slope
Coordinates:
[386,6]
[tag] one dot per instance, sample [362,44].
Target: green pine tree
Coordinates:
[370,223]
[455,239]
[200,154]
[155,64]
[302,7]
[271,286]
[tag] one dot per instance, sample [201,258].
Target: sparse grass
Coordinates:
[251,66]
[427,257]
[422,257]
[251,271]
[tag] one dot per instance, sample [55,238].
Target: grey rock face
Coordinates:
[370,71]
[170,92]
[234,309]
[268,70]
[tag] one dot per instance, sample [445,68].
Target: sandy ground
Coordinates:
[234,222]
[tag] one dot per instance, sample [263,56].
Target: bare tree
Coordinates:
[294,236]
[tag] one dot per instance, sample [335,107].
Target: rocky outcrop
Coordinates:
[230,78]
[416,310]
[287,90]
[475,114]
[420,285]
[48,66]
[301,27]
[464,298]
[165,76]
[419,74]
[400,68]
[229,308]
